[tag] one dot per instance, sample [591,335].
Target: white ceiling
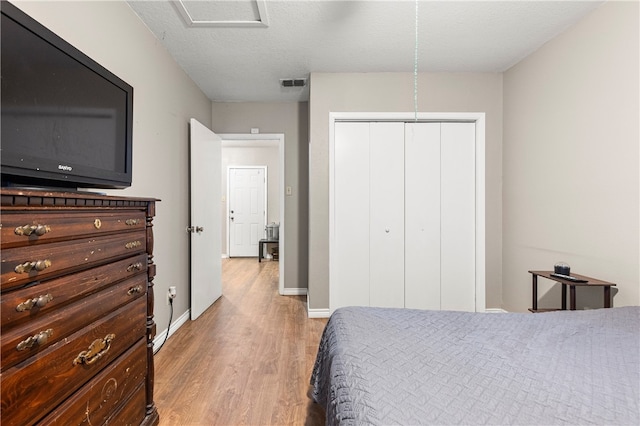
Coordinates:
[261,42]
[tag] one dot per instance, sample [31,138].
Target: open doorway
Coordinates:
[234,144]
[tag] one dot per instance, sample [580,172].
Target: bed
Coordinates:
[383,366]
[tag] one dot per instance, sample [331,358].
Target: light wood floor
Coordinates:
[246,361]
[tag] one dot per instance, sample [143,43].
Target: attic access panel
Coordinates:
[246,13]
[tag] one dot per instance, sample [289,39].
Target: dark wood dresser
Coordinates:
[77,309]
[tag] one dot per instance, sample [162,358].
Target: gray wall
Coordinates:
[165,98]
[290,118]
[394,92]
[571,155]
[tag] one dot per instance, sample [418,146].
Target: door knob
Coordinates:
[190,229]
[199,229]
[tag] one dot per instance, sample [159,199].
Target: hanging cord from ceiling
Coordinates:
[415,70]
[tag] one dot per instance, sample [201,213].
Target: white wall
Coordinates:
[394,92]
[571,155]
[164,100]
[252,156]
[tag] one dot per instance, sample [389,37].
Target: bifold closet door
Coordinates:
[403,215]
[457,217]
[440,216]
[367,267]
[350,249]
[422,215]
[386,214]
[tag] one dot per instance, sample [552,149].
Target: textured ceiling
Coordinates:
[261,42]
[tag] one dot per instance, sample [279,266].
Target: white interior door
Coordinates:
[206,247]
[247,210]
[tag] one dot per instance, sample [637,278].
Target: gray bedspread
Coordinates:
[410,367]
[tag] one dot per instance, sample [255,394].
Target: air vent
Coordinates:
[293,82]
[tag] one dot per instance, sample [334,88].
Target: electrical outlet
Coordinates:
[171,294]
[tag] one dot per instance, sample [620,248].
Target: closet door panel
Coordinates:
[386,250]
[458,216]
[350,259]
[422,215]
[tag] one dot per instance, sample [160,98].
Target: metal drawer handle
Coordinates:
[134,267]
[38,265]
[39,339]
[133,244]
[38,302]
[96,350]
[135,290]
[27,230]
[132,222]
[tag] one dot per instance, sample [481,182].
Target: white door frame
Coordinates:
[266,192]
[479,119]
[241,139]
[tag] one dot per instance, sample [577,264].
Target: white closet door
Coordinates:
[350,251]
[386,210]
[422,215]
[457,216]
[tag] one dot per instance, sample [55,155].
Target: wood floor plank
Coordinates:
[246,361]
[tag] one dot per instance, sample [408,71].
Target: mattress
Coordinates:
[382,366]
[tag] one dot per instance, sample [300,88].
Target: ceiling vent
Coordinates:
[293,82]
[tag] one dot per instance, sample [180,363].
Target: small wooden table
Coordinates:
[591,282]
[261,244]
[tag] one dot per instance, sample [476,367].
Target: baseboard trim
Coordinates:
[318,313]
[175,325]
[294,291]
[496,311]
[326,313]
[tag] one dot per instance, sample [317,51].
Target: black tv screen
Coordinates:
[66,120]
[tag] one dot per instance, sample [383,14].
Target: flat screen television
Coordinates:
[66,120]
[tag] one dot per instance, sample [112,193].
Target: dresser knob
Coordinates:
[38,339]
[38,302]
[28,230]
[132,222]
[38,265]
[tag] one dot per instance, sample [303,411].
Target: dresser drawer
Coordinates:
[25,264]
[96,401]
[41,298]
[33,336]
[34,387]
[130,414]
[19,228]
